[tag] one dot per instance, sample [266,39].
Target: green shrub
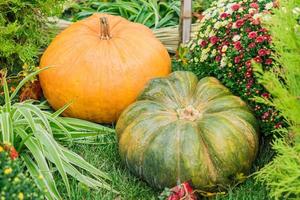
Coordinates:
[23,30]
[230,37]
[14,184]
[282,175]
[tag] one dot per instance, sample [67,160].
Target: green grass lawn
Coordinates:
[106,158]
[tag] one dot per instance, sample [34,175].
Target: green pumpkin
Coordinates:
[183,129]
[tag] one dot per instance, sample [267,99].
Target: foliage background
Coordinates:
[282,175]
[24,31]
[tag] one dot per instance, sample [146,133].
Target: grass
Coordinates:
[106,158]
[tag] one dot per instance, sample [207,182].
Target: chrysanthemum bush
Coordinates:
[14,183]
[230,39]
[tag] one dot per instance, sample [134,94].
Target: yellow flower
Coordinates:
[21,196]
[1,149]
[8,170]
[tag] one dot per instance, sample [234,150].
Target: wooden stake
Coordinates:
[185,21]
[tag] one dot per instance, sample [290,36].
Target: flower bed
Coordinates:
[230,38]
[14,184]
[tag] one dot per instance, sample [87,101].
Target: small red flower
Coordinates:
[265,95]
[278,125]
[266,115]
[203,43]
[235,7]
[248,74]
[262,52]
[239,23]
[13,153]
[269,61]
[254,5]
[258,59]
[259,39]
[237,59]
[237,45]
[252,45]
[214,39]
[248,63]
[224,15]
[252,35]
[218,58]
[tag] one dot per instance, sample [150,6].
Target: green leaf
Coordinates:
[34,109]
[56,154]
[61,110]
[6,128]
[41,161]
[80,162]
[37,176]
[7,105]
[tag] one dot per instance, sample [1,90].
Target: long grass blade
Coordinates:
[25,80]
[48,141]
[41,161]
[6,128]
[7,98]
[37,176]
[78,161]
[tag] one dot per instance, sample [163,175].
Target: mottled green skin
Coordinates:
[162,149]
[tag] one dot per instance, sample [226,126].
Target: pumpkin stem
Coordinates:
[104,29]
[188,113]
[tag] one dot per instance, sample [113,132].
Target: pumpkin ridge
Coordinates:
[211,169]
[137,122]
[175,94]
[203,87]
[250,142]
[209,104]
[246,126]
[235,134]
[147,141]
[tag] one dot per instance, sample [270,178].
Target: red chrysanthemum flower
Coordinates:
[259,39]
[224,15]
[203,43]
[254,5]
[239,23]
[262,52]
[213,39]
[269,61]
[237,45]
[237,59]
[252,35]
[258,59]
[235,7]
[252,45]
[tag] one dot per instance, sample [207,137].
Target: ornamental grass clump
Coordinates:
[230,38]
[34,132]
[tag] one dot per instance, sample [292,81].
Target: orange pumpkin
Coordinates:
[100,64]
